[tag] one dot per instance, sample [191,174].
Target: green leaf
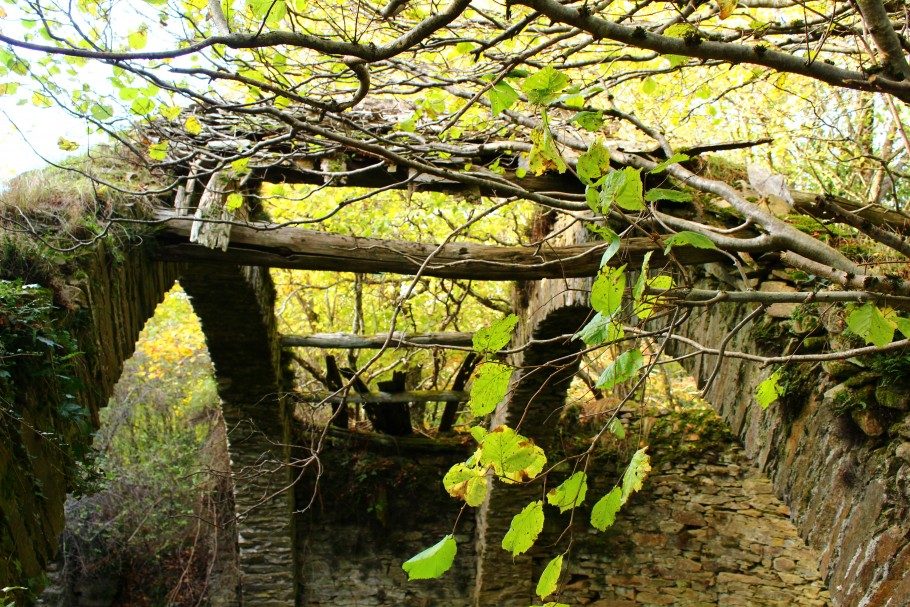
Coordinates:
[544,155]
[138,39]
[513,456]
[769,390]
[41,100]
[608,289]
[466,483]
[649,86]
[624,368]
[655,194]
[639,287]
[101,112]
[600,330]
[273,11]
[432,562]
[675,158]
[489,388]
[478,432]
[635,474]
[644,306]
[67,145]
[544,86]
[142,105]
[494,338]
[589,121]
[241,166]
[617,429]
[234,201]
[687,238]
[463,48]
[192,125]
[593,163]
[524,529]
[570,493]
[502,96]
[609,236]
[873,325]
[603,515]
[158,151]
[549,579]
[623,188]
[903,325]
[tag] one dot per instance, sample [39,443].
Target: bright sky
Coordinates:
[41,128]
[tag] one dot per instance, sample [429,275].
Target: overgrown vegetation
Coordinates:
[47,216]
[146,533]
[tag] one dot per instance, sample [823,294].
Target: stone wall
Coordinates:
[373,507]
[837,454]
[235,308]
[112,297]
[113,294]
[705,530]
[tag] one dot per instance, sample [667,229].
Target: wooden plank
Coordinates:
[263,244]
[415,396]
[350,341]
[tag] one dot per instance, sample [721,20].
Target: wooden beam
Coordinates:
[264,244]
[350,341]
[415,396]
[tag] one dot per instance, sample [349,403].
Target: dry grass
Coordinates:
[79,193]
[47,215]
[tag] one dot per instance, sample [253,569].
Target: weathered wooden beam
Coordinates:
[364,172]
[350,341]
[415,396]
[264,244]
[398,444]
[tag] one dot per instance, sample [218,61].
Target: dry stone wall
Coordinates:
[111,297]
[706,529]
[113,294]
[373,508]
[836,446]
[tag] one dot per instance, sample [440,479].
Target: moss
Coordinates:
[48,216]
[894,368]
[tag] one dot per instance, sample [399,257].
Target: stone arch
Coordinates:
[116,292]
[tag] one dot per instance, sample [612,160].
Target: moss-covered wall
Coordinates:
[52,391]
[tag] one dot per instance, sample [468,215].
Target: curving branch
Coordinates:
[699,48]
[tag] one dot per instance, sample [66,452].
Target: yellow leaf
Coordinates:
[2,13]
[726,7]
[66,145]
[192,125]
